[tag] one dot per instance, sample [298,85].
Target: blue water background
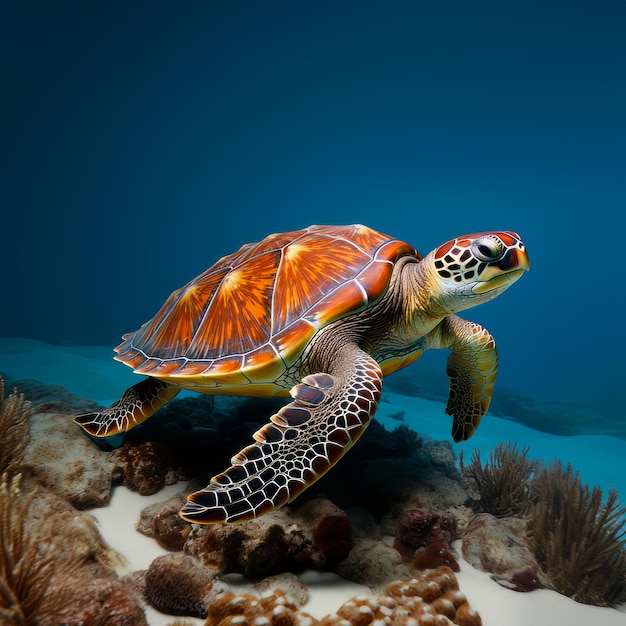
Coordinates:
[143,140]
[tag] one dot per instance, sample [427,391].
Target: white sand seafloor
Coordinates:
[90,372]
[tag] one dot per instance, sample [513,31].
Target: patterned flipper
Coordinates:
[137,404]
[300,444]
[472,368]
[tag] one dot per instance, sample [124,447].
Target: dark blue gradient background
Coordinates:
[143,140]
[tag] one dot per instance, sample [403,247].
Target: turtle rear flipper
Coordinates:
[137,404]
[299,445]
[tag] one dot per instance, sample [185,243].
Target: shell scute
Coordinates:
[247,291]
[228,370]
[289,341]
[348,297]
[311,268]
[263,364]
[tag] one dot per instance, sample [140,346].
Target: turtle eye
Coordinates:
[488,249]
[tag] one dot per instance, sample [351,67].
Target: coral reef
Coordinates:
[24,574]
[328,530]
[14,429]
[295,590]
[423,536]
[244,609]
[579,539]
[388,512]
[316,535]
[503,483]
[434,555]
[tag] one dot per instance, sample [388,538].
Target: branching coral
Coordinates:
[503,482]
[14,429]
[25,568]
[52,564]
[579,538]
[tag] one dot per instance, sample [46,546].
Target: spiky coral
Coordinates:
[25,570]
[14,429]
[503,482]
[54,566]
[579,539]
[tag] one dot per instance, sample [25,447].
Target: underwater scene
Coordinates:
[312,314]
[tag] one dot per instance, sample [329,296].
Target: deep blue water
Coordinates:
[142,141]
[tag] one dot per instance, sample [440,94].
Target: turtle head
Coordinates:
[475,268]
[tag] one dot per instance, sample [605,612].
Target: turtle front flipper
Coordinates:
[138,403]
[301,443]
[472,368]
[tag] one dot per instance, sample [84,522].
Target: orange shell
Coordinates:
[256,310]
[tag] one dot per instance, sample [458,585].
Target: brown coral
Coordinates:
[177,584]
[51,564]
[243,609]
[418,528]
[145,466]
[503,483]
[25,572]
[14,429]
[433,599]
[579,538]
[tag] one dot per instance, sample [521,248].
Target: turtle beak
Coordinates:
[523,262]
[508,270]
[515,259]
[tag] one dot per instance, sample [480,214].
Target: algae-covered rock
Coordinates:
[501,547]
[64,460]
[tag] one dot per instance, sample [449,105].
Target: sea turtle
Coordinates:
[321,315]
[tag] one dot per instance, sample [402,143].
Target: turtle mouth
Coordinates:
[501,280]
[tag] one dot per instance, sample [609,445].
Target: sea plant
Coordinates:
[503,483]
[579,537]
[25,569]
[14,429]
